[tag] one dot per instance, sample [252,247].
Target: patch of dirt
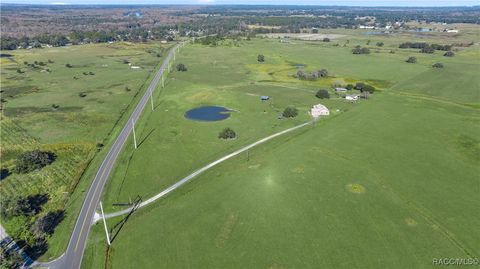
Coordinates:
[226,230]
[355,188]
[411,222]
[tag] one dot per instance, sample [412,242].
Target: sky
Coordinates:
[429,3]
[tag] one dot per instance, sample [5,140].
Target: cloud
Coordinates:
[206,1]
[58,3]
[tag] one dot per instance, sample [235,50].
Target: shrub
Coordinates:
[368,88]
[326,39]
[359,86]
[323,94]
[380,44]
[260,58]
[349,87]
[411,60]
[33,160]
[360,50]
[82,94]
[127,89]
[181,67]
[437,65]
[427,49]
[68,65]
[227,133]
[55,106]
[290,112]
[449,54]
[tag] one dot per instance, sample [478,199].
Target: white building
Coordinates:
[339,89]
[352,97]
[366,27]
[319,110]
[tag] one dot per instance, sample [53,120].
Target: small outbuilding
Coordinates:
[339,89]
[352,97]
[264,97]
[319,110]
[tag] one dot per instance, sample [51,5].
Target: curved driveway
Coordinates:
[197,172]
[72,258]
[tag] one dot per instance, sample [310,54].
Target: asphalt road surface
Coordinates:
[72,258]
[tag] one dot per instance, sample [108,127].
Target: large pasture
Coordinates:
[70,111]
[387,182]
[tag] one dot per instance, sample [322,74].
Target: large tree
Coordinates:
[323,94]
[290,112]
[46,224]
[33,160]
[227,133]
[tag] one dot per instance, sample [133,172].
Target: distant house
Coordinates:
[163,41]
[134,67]
[451,30]
[319,110]
[339,89]
[352,97]
[264,97]
[366,27]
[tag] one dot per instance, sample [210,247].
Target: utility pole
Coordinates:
[105,225]
[134,137]
[151,99]
[163,83]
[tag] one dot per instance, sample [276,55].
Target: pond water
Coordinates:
[208,113]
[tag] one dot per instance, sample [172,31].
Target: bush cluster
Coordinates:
[33,160]
[227,133]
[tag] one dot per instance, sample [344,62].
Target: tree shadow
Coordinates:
[118,226]
[37,249]
[146,137]
[37,201]
[4,173]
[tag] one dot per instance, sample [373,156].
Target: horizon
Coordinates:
[328,3]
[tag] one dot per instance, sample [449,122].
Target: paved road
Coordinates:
[72,258]
[197,172]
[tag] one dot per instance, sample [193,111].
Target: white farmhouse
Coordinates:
[352,97]
[319,110]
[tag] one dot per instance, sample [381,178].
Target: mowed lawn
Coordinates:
[388,182]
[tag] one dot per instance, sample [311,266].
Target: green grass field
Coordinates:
[75,128]
[387,182]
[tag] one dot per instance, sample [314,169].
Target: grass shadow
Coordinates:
[118,226]
[146,137]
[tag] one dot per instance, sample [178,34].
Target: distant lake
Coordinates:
[208,113]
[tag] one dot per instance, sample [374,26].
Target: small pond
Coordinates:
[208,113]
